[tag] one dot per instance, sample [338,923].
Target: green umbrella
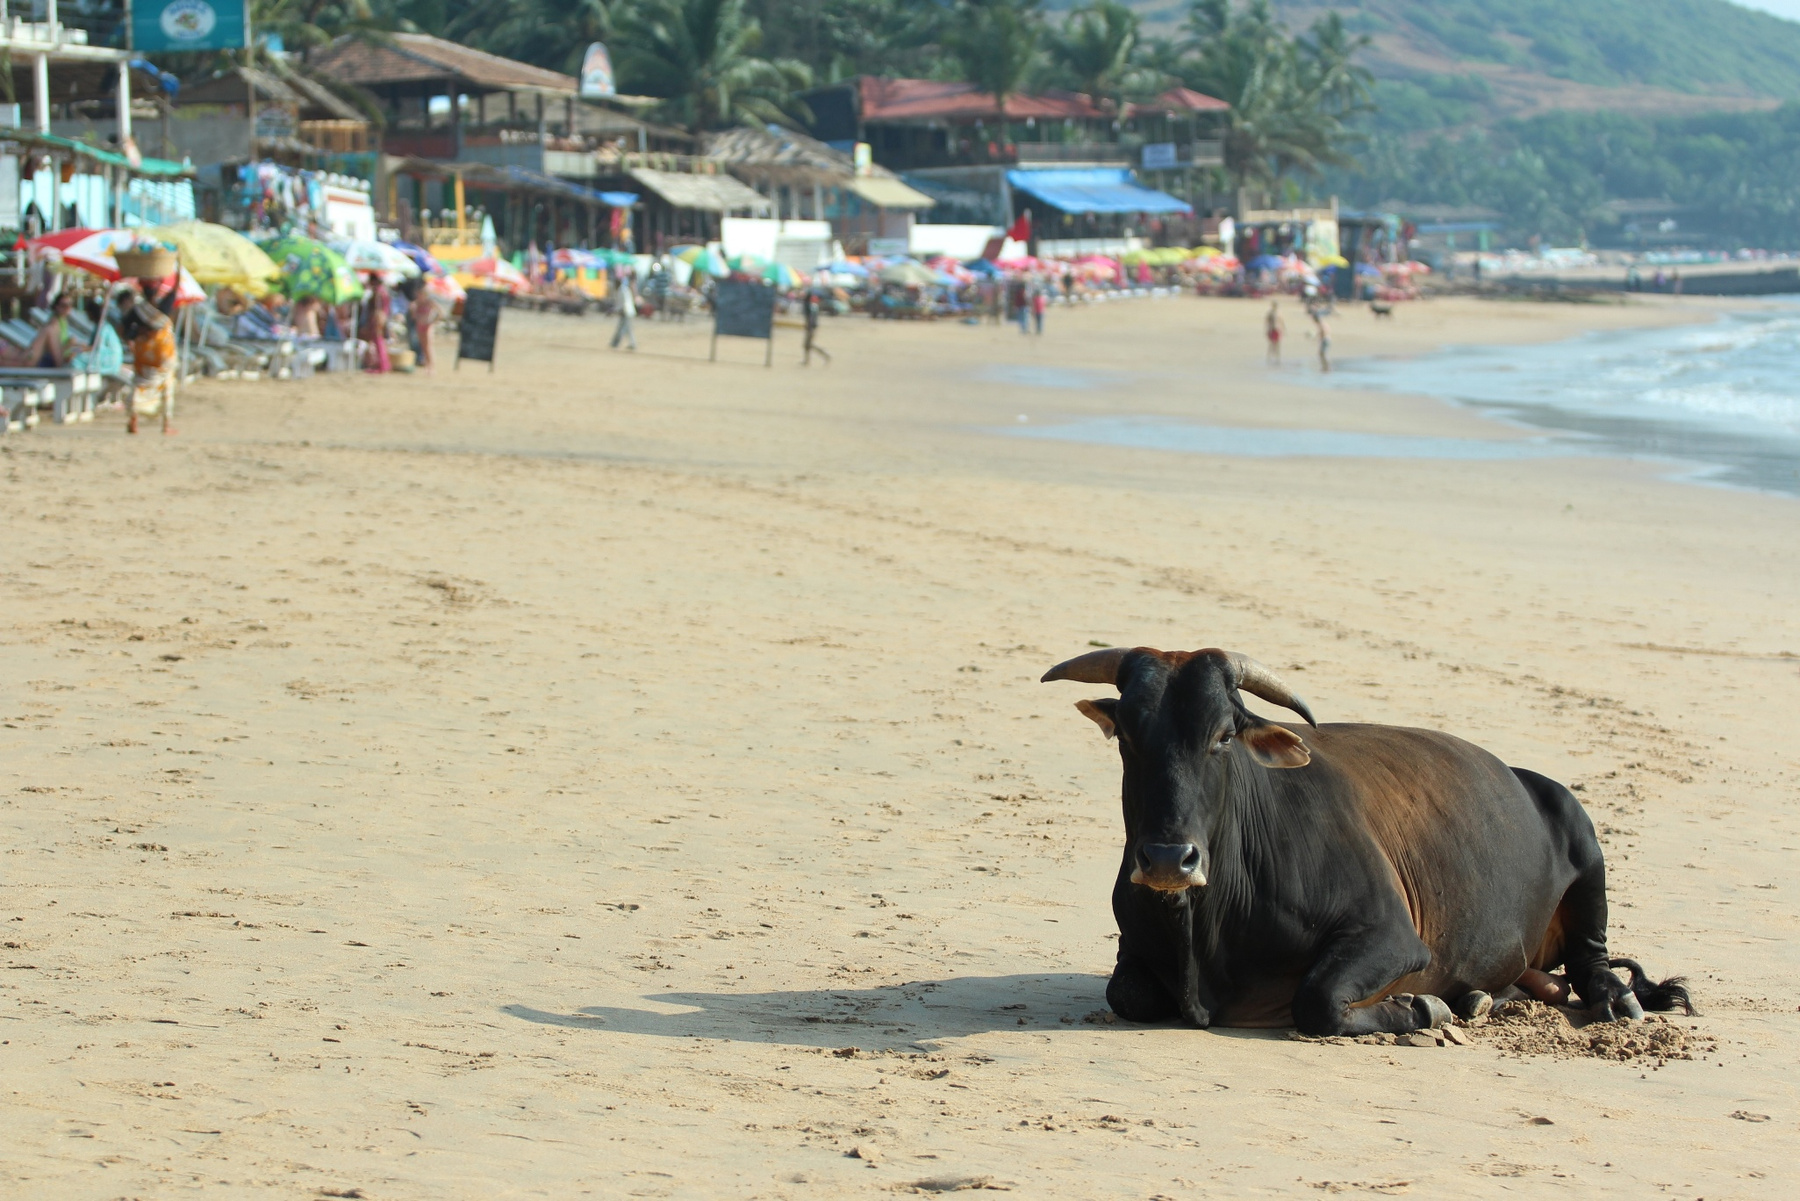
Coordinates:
[782,275]
[310,268]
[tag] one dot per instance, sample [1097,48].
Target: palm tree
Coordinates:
[996,41]
[550,33]
[1095,45]
[699,54]
[303,24]
[1291,98]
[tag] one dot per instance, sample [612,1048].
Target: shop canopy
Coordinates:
[889,193]
[708,193]
[154,168]
[1094,190]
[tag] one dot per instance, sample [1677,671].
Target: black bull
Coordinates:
[1344,879]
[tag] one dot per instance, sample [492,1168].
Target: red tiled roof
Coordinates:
[1186,99]
[934,100]
[421,58]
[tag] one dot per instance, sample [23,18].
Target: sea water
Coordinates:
[1722,399]
[1719,403]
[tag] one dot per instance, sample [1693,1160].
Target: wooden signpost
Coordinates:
[744,310]
[480,326]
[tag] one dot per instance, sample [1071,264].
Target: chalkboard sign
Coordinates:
[744,310]
[480,326]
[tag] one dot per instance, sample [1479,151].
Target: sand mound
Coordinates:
[1533,1028]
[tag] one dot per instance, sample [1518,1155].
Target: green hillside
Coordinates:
[1702,47]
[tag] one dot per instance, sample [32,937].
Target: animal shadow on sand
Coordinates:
[887,1017]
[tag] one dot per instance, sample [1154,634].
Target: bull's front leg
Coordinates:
[1358,965]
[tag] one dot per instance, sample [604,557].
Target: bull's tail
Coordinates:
[1655,996]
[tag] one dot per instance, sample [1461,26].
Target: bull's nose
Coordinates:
[1169,865]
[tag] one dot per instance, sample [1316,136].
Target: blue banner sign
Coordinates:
[190,24]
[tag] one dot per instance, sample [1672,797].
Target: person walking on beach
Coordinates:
[627,311]
[1039,302]
[809,309]
[1318,316]
[423,311]
[153,356]
[1273,327]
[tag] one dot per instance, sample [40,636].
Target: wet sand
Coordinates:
[627,776]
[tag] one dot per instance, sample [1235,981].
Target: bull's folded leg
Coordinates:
[1359,965]
[1136,995]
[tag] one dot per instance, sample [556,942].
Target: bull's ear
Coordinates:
[1101,714]
[1275,746]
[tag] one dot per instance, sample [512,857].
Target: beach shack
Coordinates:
[866,207]
[69,157]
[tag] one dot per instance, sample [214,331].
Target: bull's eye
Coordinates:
[1224,741]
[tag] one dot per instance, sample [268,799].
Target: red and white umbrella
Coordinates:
[498,270]
[92,250]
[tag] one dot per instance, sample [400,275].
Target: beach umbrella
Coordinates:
[218,257]
[499,271]
[782,275]
[856,269]
[700,258]
[1263,262]
[567,258]
[445,287]
[748,264]
[1331,260]
[908,273]
[91,250]
[982,267]
[87,249]
[427,262]
[311,268]
[364,254]
[1367,269]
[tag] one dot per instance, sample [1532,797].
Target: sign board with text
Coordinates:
[744,310]
[597,73]
[165,25]
[479,328]
[1160,156]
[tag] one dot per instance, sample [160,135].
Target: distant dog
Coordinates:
[1381,308]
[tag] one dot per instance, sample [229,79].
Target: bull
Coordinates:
[1344,879]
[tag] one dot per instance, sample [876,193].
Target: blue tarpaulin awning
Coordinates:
[1094,190]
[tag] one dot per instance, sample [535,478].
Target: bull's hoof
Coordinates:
[1620,1007]
[1432,1011]
[1473,1004]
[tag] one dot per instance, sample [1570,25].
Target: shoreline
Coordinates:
[1547,416]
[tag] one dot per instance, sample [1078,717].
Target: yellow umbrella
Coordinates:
[217,255]
[1330,260]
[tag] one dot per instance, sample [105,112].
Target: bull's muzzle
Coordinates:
[1169,866]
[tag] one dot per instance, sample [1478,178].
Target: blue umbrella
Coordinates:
[421,256]
[1367,269]
[1264,262]
[983,267]
[848,269]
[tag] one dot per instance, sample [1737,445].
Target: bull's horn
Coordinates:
[1095,667]
[1257,680]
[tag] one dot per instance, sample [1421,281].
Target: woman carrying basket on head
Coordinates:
[151,336]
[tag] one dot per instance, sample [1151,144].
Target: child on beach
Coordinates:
[1318,316]
[1273,328]
[1039,302]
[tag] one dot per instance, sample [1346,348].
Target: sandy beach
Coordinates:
[627,775]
